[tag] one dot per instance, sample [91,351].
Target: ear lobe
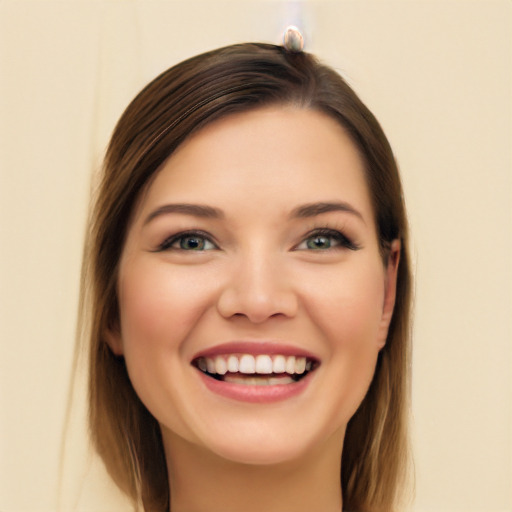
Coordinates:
[112,336]
[391,273]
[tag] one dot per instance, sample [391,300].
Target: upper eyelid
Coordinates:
[326,232]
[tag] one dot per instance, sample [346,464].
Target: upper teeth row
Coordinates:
[247,363]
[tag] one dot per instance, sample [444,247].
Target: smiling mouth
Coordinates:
[259,370]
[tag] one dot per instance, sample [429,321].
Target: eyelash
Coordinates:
[343,242]
[167,244]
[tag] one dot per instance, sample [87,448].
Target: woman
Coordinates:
[248,289]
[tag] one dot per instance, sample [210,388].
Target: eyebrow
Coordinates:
[196,210]
[209,212]
[314,209]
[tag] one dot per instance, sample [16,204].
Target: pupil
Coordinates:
[191,243]
[319,242]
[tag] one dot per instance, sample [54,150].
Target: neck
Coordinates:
[200,480]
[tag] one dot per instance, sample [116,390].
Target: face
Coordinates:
[253,297]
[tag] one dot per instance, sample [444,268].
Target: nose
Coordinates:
[258,288]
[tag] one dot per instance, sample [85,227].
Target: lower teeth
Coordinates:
[257,381]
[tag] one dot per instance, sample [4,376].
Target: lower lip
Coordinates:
[256,394]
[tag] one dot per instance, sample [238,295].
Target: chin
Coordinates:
[260,456]
[265,445]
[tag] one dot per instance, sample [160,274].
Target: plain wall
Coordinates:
[438,76]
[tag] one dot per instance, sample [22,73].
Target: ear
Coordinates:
[391,273]
[112,336]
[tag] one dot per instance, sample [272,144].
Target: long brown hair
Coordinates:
[178,102]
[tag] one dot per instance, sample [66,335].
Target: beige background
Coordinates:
[437,75]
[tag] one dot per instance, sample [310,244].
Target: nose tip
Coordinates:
[258,293]
[257,309]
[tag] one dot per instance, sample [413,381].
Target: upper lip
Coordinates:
[255,348]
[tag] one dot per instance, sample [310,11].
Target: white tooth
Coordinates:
[233,364]
[201,363]
[290,364]
[210,365]
[263,364]
[279,364]
[300,365]
[247,364]
[309,365]
[221,366]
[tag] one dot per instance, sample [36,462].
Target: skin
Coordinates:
[257,279]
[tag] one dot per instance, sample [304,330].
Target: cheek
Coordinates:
[348,317]
[159,307]
[348,305]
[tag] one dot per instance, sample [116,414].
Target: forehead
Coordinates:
[276,157]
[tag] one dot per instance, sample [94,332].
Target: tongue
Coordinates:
[258,380]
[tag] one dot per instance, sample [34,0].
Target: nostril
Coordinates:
[257,290]
[256,309]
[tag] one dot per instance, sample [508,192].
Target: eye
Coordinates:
[189,241]
[325,239]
